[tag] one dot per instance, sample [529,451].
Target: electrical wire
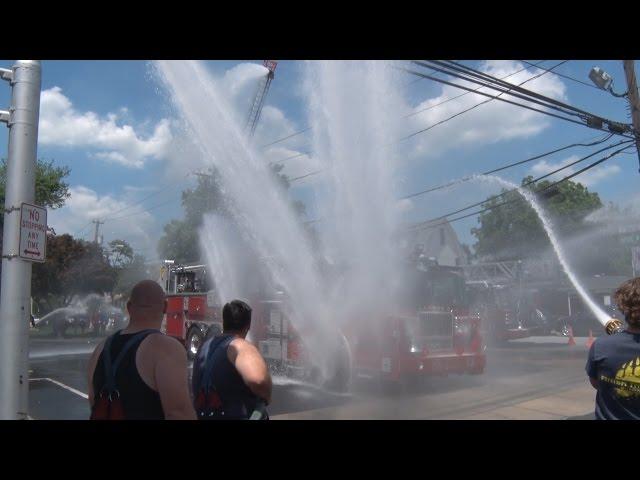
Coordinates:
[515,164]
[467,93]
[467,109]
[445,218]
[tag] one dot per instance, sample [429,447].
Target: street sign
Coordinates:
[33,233]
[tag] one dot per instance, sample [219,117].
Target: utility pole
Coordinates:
[22,120]
[634,101]
[98,223]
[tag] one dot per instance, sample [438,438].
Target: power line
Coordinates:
[286,138]
[290,158]
[424,224]
[568,77]
[470,75]
[467,93]
[306,175]
[406,116]
[171,185]
[498,85]
[496,170]
[468,109]
[143,211]
[513,103]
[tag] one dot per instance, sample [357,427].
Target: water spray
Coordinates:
[611,325]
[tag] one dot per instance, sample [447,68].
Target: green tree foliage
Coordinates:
[120,253]
[515,231]
[130,274]
[51,189]
[73,267]
[180,241]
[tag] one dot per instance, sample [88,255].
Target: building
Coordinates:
[436,240]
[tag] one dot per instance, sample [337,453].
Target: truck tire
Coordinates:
[195,338]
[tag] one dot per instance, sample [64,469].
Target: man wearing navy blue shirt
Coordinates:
[613,365]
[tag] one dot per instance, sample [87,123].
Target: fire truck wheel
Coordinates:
[195,338]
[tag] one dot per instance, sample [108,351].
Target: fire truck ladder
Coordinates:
[258,101]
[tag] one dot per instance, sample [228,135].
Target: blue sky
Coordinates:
[112,124]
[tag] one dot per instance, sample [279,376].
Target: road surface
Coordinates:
[537,378]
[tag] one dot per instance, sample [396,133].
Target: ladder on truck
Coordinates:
[258,101]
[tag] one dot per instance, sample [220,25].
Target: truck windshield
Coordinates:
[448,289]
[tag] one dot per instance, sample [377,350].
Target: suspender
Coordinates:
[110,369]
[207,379]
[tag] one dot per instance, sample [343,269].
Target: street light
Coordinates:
[603,81]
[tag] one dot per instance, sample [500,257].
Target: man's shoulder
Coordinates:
[163,343]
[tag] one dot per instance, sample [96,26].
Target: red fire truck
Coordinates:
[193,311]
[436,335]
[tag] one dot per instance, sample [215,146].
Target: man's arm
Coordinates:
[170,374]
[251,367]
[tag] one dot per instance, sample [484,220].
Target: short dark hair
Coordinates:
[628,299]
[236,316]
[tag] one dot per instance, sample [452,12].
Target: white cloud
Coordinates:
[487,124]
[588,178]
[62,125]
[85,205]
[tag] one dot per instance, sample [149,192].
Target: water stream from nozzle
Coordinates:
[602,316]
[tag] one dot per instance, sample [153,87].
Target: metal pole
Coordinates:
[16,273]
[634,100]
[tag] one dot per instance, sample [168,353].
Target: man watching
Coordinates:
[230,378]
[613,365]
[138,373]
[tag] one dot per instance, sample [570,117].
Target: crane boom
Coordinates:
[258,101]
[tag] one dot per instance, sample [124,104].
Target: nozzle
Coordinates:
[613,326]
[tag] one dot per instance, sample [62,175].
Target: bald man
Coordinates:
[138,373]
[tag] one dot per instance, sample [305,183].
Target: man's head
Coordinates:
[236,318]
[628,299]
[147,303]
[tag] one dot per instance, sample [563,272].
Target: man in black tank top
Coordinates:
[233,367]
[149,368]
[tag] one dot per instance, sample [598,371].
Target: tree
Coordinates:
[180,241]
[51,190]
[514,229]
[73,267]
[130,274]
[120,253]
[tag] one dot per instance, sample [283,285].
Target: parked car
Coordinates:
[584,321]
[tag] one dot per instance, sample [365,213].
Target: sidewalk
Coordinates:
[576,403]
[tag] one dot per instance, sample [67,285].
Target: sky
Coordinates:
[112,123]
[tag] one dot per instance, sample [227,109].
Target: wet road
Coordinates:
[515,372]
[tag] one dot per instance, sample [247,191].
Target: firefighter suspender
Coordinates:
[108,405]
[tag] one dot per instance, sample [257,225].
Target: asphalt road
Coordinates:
[515,371]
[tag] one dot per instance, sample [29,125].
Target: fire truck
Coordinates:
[437,334]
[193,311]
